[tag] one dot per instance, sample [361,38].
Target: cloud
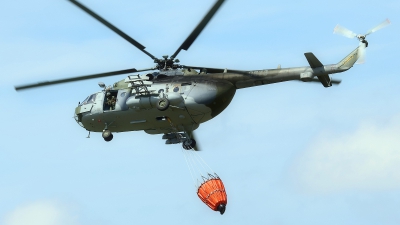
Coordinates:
[366,159]
[40,213]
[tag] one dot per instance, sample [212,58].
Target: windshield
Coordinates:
[89,100]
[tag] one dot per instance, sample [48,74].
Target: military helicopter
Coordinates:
[174,99]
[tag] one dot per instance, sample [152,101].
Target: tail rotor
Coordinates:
[361,37]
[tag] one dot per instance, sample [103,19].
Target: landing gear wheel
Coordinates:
[163,104]
[107,135]
[109,138]
[189,144]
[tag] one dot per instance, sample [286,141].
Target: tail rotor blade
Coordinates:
[361,52]
[344,31]
[380,26]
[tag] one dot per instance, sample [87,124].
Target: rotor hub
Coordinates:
[361,38]
[166,64]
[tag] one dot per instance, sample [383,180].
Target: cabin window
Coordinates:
[110,99]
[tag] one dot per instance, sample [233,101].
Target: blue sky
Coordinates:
[288,153]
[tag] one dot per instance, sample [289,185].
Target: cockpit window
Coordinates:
[81,103]
[89,100]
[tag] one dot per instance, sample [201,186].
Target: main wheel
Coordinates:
[109,138]
[163,104]
[107,135]
[189,144]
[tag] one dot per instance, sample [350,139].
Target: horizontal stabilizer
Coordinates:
[315,63]
[325,80]
[312,60]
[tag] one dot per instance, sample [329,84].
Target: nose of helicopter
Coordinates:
[78,116]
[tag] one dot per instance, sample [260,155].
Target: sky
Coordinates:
[288,153]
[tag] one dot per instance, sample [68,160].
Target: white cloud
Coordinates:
[367,159]
[40,213]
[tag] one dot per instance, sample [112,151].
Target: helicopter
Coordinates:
[174,99]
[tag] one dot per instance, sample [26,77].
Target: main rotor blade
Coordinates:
[380,26]
[215,70]
[195,33]
[113,28]
[344,31]
[46,83]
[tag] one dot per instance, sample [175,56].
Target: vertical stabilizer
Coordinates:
[350,59]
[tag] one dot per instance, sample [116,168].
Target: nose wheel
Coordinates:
[107,135]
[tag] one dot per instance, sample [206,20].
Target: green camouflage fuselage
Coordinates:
[194,97]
